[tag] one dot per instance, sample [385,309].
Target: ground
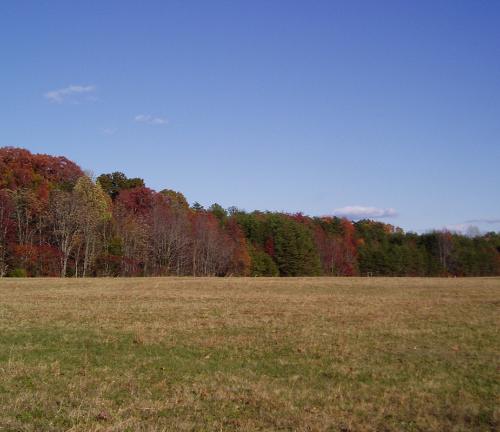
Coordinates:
[270,354]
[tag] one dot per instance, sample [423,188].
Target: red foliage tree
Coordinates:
[22,169]
[137,201]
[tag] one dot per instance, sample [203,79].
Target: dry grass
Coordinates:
[306,354]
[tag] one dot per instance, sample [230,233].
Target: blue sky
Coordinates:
[388,109]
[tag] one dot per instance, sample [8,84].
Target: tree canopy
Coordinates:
[55,220]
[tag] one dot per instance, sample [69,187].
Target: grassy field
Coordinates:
[305,354]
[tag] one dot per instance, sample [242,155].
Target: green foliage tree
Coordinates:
[115,182]
[197,207]
[219,212]
[262,264]
[176,199]
[295,253]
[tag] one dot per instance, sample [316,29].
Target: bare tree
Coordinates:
[169,237]
[65,229]
[133,232]
[445,246]
[25,210]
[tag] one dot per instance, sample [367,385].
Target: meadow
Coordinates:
[268,354]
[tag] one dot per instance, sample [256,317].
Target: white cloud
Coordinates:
[68,93]
[361,212]
[484,221]
[109,131]
[149,119]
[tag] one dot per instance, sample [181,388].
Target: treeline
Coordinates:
[57,221]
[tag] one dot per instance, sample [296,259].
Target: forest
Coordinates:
[57,221]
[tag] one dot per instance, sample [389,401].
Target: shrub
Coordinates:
[18,272]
